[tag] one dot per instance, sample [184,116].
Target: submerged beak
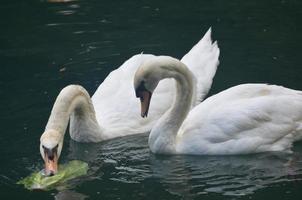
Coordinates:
[51,163]
[145,97]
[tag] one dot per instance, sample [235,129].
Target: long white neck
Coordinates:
[74,103]
[162,138]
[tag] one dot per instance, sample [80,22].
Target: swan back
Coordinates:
[119,118]
[248,118]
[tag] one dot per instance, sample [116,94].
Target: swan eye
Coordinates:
[141,88]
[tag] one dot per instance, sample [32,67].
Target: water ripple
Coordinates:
[128,161]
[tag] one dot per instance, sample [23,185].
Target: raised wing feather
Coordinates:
[203,60]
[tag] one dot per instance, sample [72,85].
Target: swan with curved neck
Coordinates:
[74,104]
[105,116]
[248,118]
[156,70]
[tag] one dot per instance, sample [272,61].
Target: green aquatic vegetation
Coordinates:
[66,172]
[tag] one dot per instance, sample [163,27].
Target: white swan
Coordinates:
[112,110]
[247,118]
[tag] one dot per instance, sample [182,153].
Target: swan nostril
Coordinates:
[51,173]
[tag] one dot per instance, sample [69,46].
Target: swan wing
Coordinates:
[202,60]
[117,108]
[248,118]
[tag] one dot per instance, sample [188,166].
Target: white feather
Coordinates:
[248,118]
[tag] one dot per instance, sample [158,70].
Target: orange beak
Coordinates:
[145,97]
[51,165]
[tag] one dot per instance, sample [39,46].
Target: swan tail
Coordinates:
[203,60]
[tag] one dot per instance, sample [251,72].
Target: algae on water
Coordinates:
[66,172]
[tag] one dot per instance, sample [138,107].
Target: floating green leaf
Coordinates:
[66,172]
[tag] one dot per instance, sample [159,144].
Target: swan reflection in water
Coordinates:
[128,160]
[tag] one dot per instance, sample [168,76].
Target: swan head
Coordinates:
[147,78]
[51,143]
[144,95]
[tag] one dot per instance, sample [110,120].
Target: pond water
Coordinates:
[46,45]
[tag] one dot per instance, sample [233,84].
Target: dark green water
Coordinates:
[45,46]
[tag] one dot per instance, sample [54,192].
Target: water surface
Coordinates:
[47,45]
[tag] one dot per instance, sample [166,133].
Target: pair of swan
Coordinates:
[112,111]
[244,119]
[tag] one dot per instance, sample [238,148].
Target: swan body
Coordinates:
[112,112]
[247,118]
